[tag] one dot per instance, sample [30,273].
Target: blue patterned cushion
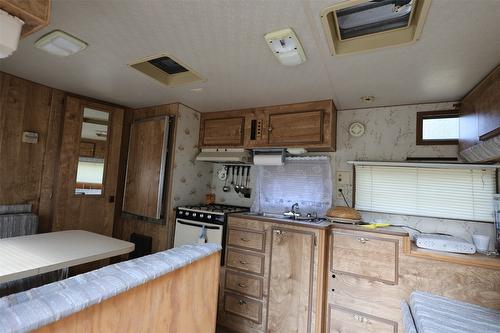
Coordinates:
[40,306]
[437,314]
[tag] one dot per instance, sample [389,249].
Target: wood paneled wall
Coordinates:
[28,170]
[124,227]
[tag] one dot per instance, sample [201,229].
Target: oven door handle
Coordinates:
[199,226]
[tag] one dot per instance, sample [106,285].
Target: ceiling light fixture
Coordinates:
[60,44]
[286,47]
[10,31]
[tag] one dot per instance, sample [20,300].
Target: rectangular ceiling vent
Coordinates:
[166,69]
[361,25]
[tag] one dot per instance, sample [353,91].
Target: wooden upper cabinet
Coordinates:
[480,112]
[34,13]
[222,132]
[309,125]
[303,127]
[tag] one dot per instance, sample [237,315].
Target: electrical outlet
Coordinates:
[343,178]
[346,190]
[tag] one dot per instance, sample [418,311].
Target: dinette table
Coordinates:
[31,255]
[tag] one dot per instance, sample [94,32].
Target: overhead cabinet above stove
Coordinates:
[308,125]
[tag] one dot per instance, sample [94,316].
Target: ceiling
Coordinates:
[223,41]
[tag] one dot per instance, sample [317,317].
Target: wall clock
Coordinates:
[356,129]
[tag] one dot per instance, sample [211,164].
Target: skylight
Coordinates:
[360,25]
[374,16]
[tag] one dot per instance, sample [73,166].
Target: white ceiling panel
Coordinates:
[223,41]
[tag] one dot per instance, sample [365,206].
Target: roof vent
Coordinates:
[166,69]
[360,25]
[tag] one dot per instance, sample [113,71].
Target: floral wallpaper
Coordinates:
[390,135]
[191,179]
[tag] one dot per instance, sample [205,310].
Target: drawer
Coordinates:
[245,261]
[246,239]
[243,307]
[344,320]
[244,284]
[371,257]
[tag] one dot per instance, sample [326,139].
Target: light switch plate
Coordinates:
[30,137]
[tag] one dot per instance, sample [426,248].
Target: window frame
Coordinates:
[421,116]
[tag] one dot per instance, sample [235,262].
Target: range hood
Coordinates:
[225,155]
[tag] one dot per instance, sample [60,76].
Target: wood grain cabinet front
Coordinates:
[222,132]
[345,320]
[371,257]
[245,284]
[245,261]
[246,239]
[243,306]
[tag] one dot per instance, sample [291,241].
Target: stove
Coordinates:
[203,223]
[214,213]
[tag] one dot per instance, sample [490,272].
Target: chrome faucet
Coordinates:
[294,211]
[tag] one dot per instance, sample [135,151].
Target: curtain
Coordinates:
[303,180]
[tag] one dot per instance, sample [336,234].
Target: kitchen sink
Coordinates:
[305,219]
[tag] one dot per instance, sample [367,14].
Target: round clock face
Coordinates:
[357,129]
[222,174]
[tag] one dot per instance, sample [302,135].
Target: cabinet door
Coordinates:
[344,320]
[223,132]
[304,127]
[291,281]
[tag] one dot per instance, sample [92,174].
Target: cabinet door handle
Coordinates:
[361,319]
[279,232]
[269,129]
[362,240]
[244,239]
[242,285]
[242,302]
[243,262]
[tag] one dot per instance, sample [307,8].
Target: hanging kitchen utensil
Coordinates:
[246,191]
[237,186]
[232,175]
[226,188]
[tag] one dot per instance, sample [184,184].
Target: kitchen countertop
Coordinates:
[396,231]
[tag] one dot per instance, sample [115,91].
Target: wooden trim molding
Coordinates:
[421,116]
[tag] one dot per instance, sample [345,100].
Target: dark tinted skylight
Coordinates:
[168,65]
[374,16]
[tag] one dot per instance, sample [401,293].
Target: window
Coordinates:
[303,180]
[437,128]
[455,193]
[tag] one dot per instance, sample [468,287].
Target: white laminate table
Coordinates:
[25,256]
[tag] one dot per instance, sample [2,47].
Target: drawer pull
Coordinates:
[243,262]
[242,302]
[362,240]
[361,319]
[244,239]
[242,285]
[279,232]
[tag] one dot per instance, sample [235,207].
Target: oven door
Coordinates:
[188,232]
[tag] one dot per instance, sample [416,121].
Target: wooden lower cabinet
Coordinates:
[287,295]
[368,300]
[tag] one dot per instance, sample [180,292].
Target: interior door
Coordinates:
[291,281]
[87,182]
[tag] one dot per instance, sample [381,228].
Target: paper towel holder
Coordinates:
[270,151]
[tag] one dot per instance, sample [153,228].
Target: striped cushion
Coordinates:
[39,306]
[437,314]
[408,322]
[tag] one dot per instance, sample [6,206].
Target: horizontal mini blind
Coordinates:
[465,194]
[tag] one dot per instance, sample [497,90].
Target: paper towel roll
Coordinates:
[268,159]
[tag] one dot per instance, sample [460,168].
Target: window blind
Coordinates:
[465,194]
